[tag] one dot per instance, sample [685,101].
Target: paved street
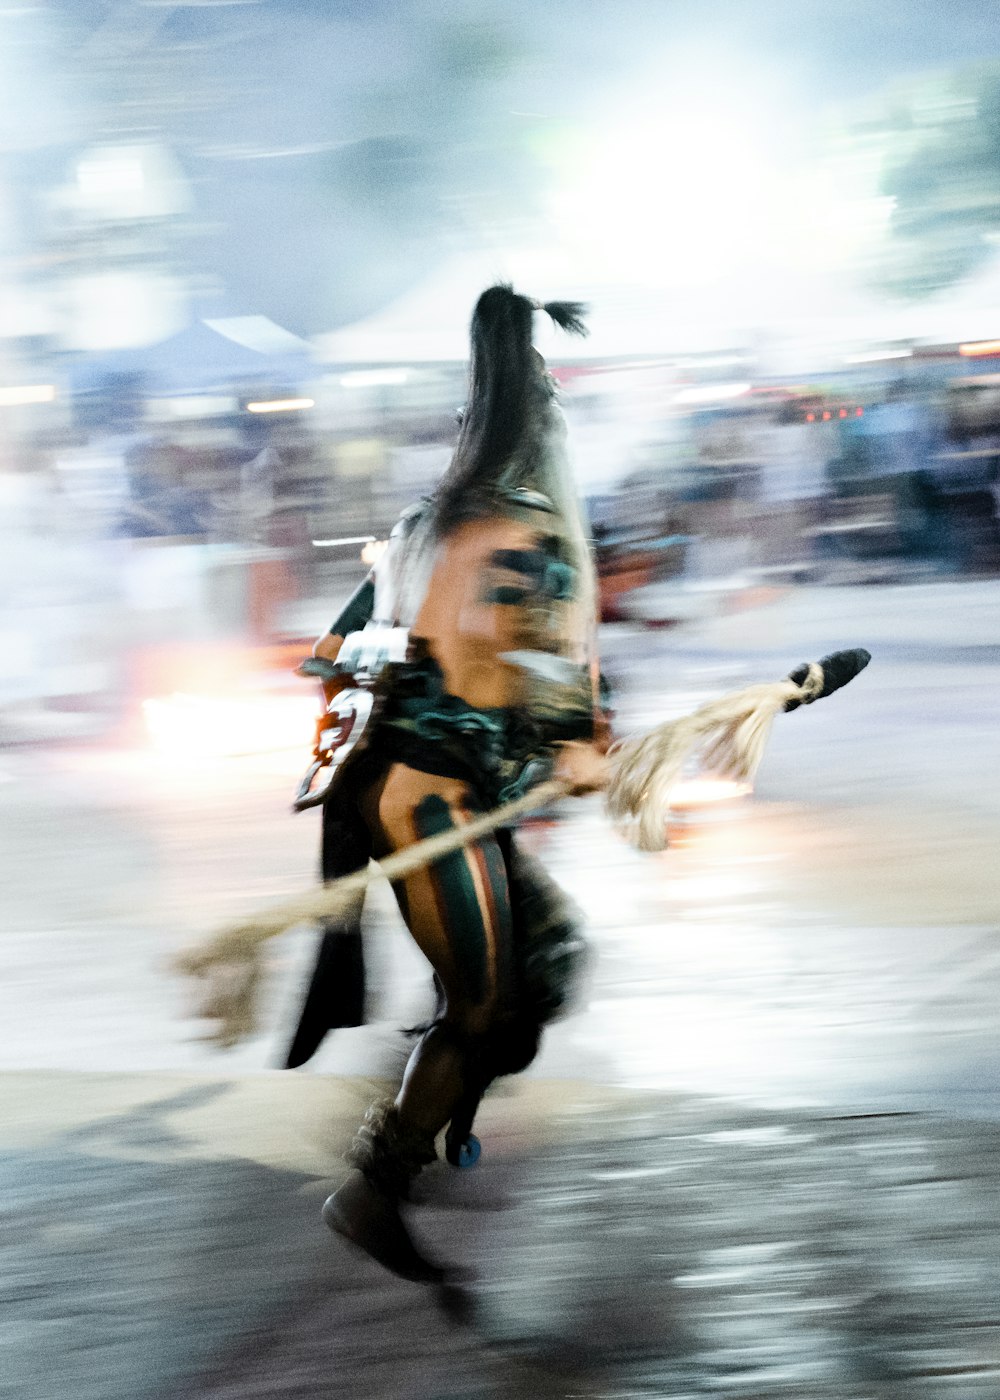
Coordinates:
[760,1161]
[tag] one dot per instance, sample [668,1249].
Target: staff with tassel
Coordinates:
[729,735]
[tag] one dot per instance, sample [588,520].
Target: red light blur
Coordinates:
[810,418]
[826,416]
[859,413]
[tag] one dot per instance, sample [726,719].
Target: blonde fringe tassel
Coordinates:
[729,735]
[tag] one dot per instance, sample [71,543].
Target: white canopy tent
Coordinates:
[429,324]
[802,319]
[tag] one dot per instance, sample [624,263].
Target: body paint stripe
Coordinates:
[459,904]
[507,595]
[530,562]
[495,875]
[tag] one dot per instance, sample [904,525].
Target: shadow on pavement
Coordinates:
[650,1246]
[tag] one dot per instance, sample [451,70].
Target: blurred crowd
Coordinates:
[128,533]
[890,484]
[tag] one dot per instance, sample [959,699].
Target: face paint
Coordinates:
[532,563]
[507,595]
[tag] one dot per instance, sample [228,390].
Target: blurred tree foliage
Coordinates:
[934,146]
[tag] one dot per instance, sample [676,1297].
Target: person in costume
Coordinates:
[462,676]
[476,632]
[462,683]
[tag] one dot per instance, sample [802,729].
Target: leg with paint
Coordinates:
[458,911]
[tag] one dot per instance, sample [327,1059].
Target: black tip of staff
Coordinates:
[838,669]
[842,666]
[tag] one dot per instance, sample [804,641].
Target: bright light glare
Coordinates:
[111,174]
[712,362]
[212,726]
[280,405]
[372,378]
[871,357]
[980,347]
[26,393]
[706,791]
[373,552]
[675,196]
[711,196]
[712,393]
[345,539]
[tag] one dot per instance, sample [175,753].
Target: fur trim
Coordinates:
[389,1154]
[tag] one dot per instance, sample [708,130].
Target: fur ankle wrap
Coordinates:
[389,1153]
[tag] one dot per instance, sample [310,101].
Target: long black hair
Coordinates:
[507,382]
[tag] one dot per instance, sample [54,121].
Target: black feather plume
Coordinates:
[568,316]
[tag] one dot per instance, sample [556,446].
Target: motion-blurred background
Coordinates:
[240,241]
[239,244]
